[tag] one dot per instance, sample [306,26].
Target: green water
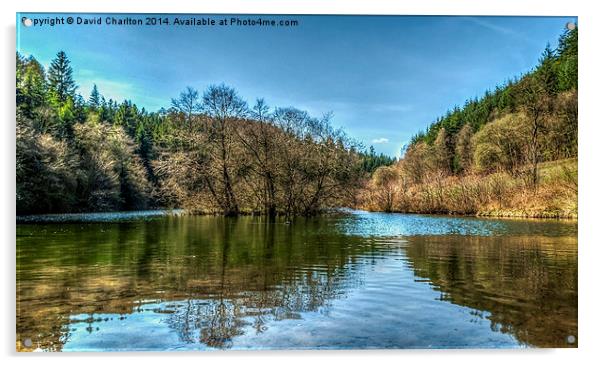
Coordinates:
[356,280]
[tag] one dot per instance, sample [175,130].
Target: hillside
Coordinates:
[499,155]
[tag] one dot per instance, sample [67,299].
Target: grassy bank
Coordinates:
[493,195]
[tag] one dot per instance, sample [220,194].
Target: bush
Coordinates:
[502,145]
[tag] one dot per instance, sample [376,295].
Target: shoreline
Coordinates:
[491,214]
[109,216]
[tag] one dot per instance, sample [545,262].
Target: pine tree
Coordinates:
[567,56]
[67,114]
[127,116]
[94,100]
[546,73]
[20,72]
[32,91]
[60,78]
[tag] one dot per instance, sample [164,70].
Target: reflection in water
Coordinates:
[528,284]
[333,282]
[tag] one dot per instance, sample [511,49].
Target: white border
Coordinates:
[590,162]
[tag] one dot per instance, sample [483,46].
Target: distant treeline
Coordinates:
[209,152]
[486,156]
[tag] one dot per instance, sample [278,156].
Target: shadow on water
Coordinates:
[333,282]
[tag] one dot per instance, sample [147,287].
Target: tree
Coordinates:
[385,183]
[291,153]
[545,73]
[60,78]
[32,87]
[127,116]
[440,154]
[416,162]
[20,74]
[113,176]
[223,106]
[536,101]
[501,145]
[188,104]
[258,138]
[464,148]
[45,171]
[372,161]
[95,99]
[222,102]
[565,126]
[567,67]
[66,118]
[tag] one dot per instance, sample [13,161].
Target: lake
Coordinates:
[150,281]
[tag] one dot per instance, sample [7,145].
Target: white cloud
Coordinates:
[380,140]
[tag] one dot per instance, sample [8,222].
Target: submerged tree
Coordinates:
[223,106]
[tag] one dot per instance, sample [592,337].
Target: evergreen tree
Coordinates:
[60,78]
[567,68]
[127,116]
[371,161]
[94,101]
[32,91]
[545,73]
[67,115]
[20,73]
[80,111]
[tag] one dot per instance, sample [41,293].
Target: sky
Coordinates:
[384,78]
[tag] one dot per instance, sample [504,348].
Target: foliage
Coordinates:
[555,74]
[486,157]
[209,153]
[372,161]
[60,79]
[500,145]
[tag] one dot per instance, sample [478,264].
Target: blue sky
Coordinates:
[384,78]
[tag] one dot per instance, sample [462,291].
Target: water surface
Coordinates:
[356,280]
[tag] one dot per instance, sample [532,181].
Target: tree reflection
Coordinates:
[526,285]
[213,279]
[231,273]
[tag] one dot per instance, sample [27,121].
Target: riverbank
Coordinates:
[493,195]
[120,216]
[98,216]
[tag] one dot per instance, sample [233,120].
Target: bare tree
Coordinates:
[223,106]
[187,104]
[258,138]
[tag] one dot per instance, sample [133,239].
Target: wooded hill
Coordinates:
[485,157]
